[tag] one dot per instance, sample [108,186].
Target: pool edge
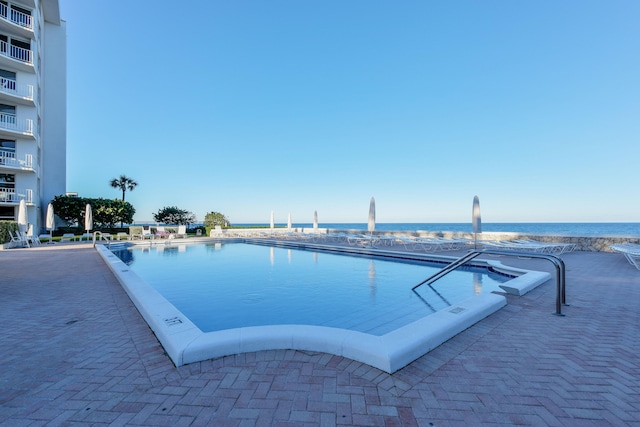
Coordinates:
[185,343]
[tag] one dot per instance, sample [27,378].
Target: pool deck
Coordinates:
[77,352]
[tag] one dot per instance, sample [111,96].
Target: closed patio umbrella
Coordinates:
[315,220]
[371,225]
[476,222]
[289,221]
[50,222]
[23,222]
[88,218]
[271,222]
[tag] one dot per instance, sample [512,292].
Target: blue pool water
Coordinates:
[232,285]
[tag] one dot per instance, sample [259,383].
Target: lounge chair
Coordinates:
[146,233]
[45,237]
[122,235]
[161,232]
[17,238]
[31,237]
[216,232]
[513,246]
[67,237]
[548,247]
[135,232]
[631,252]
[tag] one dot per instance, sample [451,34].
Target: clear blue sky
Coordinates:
[244,107]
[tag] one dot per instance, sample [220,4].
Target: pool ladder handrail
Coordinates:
[561,298]
[97,235]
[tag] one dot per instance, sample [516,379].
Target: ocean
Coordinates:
[538,228]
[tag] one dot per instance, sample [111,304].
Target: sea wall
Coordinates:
[583,243]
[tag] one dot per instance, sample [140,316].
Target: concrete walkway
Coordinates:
[76,352]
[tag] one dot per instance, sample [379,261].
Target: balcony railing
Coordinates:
[8,158]
[11,87]
[16,17]
[15,52]
[9,195]
[11,122]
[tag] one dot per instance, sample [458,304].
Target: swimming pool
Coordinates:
[233,285]
[224,298]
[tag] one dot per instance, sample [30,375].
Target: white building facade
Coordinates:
[33,107]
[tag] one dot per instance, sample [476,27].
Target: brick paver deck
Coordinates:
[76,352]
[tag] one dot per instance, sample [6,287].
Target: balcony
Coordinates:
[11,126]
[9,196]
[15,21]
[9,161]
[16,57]
[11,92]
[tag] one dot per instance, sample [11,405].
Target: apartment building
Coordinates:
[33,107]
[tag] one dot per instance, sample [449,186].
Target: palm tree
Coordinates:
[124,183]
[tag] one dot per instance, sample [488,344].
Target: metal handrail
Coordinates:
[99,233]
[561,297]
[448,269]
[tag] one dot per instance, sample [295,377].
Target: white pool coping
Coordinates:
[185,343]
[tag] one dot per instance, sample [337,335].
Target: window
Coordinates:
[7,145]
[7,151]
[7,187]
[7,180]
[7,115]
[6,212]
[7,80]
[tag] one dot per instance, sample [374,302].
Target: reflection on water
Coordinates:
[372,279]
[210,247]
[125,255]
[477,283]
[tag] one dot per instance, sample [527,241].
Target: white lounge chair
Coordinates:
[631,251]
[67,237]
[45,237]
[31,237]
[135,232]
[216,232]
[18,239]
[549,247]
[146,233]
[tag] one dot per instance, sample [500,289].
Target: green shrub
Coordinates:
[5,227]
[212,219]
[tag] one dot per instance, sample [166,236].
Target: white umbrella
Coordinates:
[50,222]
[271,223]
[371,225]
[476,222]
[88,218]
[23,222]
[315,220]
[289,221]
